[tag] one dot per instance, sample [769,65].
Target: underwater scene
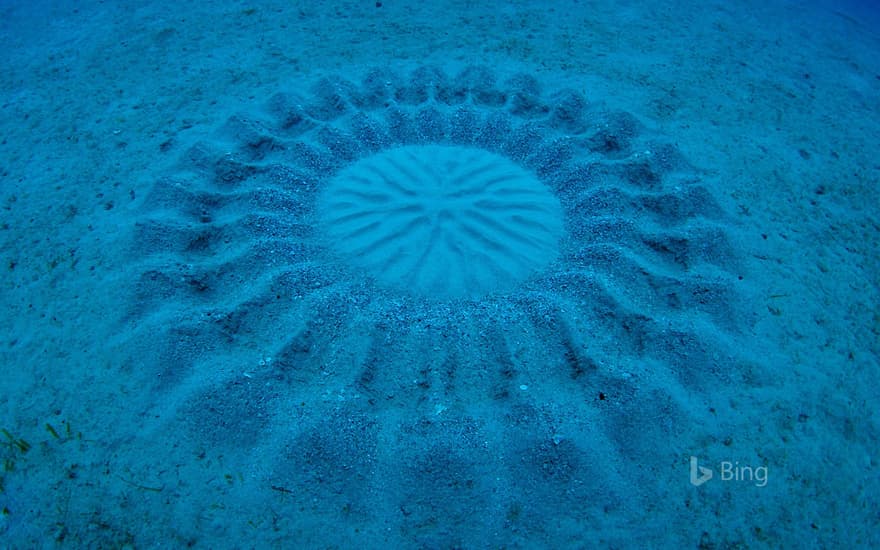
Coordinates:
[448,275]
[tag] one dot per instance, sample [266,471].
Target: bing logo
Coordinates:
[729,471]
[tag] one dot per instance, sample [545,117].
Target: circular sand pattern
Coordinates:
[442,221]
[352,295]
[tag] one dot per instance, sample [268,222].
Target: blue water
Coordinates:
[467,275]
[865,13]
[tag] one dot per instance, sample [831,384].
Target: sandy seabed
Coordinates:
[165,385]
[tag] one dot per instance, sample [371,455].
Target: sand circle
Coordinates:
[442,221]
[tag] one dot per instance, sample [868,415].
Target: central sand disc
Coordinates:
[442,221]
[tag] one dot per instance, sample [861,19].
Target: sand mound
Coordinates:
[442,221]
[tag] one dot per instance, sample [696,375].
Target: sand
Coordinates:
[163,387]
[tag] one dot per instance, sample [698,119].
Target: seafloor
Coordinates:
[454,276]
